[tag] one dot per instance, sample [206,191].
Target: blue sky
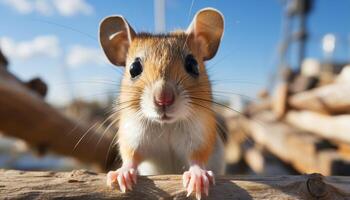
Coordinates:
[64,33]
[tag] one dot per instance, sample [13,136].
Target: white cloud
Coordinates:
[43,7]
[72,7]
[48,7]
[46,46]
[22,6]
[79,56]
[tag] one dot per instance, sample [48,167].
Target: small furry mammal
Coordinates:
[166,121]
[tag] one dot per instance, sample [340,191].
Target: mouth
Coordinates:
[164,108]
[165,117]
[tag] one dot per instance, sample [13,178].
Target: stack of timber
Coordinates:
[305,124]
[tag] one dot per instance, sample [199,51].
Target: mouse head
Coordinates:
[165,79]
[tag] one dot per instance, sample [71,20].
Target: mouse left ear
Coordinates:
[205,32]
[115,37]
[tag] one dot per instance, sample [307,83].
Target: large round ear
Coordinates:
[115,38]
[206,31]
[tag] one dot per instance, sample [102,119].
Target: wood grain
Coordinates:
[82,184]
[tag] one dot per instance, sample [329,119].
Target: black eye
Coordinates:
[136,68]
[191,66]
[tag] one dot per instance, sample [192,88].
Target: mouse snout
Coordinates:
[164,96]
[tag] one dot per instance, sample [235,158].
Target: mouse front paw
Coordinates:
[124,177]
[197,180]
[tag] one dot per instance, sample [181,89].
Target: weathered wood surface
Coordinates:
[335,128]
[3,60]
[87,185]
[24,114]
[255,159]
[279,102]
[302,83]
[344,76]
[304,151]
[332,98]
[256,107]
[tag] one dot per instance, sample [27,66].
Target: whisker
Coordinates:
[246,135]
[67,28]
[235,81]
[88,82]
[108,93]
[104,132]
[209,67]
[76,145]
[216,103]
[215,92]
[104,122]
[224,106]
[109,148]
[95,124]
[107,111]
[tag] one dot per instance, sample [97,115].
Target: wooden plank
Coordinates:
[344,149]
[302,83]
[24,114]
[256,107]
[255,159]
[279,139]
[332,98]
[88,185]
[331,127]
[344,76]
[279,101]
[296,147]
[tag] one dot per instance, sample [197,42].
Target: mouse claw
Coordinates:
[211,177]
[186,179]
[197,180]
[111,179]
[124,177]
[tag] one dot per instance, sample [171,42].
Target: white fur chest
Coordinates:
[165,148]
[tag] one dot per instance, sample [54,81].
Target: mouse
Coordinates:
[166,121]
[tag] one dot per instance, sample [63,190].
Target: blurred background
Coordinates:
[281,74]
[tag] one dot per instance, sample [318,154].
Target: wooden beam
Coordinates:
[332,98]
[344,76]
[24,114]
[331,127]
[279,101]
[296,147]
[256,107]
[37,85]
[255,159]
[88,185]
[3,60]
[302,83]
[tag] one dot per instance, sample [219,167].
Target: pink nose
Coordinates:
[164,97]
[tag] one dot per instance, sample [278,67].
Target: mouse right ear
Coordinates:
[206,31]
[115,38]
